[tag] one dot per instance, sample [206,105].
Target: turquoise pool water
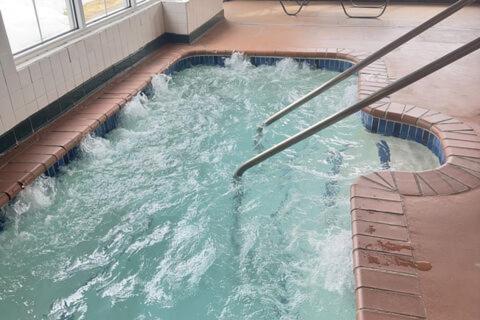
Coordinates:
[146,224]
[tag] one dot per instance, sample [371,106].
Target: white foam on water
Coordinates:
[97,147]
[74,306]
[121,290]
[160,83]
[135,108]
[238,62]
[333,262]
[157,235]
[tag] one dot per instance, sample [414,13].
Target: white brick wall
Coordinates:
[37,83]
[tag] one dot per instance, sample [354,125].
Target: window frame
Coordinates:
[128,4]
[72,16]
[81,27]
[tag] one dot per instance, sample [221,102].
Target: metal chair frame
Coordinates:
[382,7]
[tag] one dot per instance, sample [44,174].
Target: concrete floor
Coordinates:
[444,229]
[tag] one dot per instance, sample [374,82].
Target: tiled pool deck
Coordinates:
[415,235]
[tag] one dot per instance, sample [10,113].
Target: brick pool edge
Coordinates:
[384,265]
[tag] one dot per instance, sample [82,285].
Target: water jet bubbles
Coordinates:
[160,83]
[135,109]
[95,146]
[238,61]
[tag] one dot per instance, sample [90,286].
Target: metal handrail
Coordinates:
[380,94]
[368,60]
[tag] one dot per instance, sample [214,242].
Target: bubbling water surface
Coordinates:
[147,224]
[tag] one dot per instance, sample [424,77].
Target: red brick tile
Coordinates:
[58,152]
[377,205]
[424,188]
[45,159]
[428,121]
[461,175]
[406,304]
[11,188]
[366,314]
[411,116]
[364,181]
[382,245]
[469,163]
[462,152]
[456,127]
[383,261]
[406,183]
[384,280]
[67,140]
[387,177]
[380,111]
[107,107]
[395,111]
[24,178]
[84,130]
[461,144]
[434,180]
[382,178]
[437,118]
[456,185]
[35,169]
[124,97]
[379,230]
[72,123]
[100,118]
[358,190]
[4,199]
[378,216]
[464,136]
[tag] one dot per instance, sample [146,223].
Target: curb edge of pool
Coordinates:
[386,273]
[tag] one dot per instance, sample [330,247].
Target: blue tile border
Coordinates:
[404,131]
[219,60]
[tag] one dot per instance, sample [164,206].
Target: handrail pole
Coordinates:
[380,94]
[368,60]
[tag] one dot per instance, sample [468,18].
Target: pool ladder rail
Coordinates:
[378,95]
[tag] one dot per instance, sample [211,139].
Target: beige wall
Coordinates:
[184,17]
[200,11]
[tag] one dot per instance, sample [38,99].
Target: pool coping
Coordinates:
[385,269]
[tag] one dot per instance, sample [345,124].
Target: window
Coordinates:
[30,22]
[95,9]
[33,22]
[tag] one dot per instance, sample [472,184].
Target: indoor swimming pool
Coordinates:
[146,223]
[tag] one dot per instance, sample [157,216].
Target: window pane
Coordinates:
[114,5]
[55,17]
[94,9]
[21,23]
